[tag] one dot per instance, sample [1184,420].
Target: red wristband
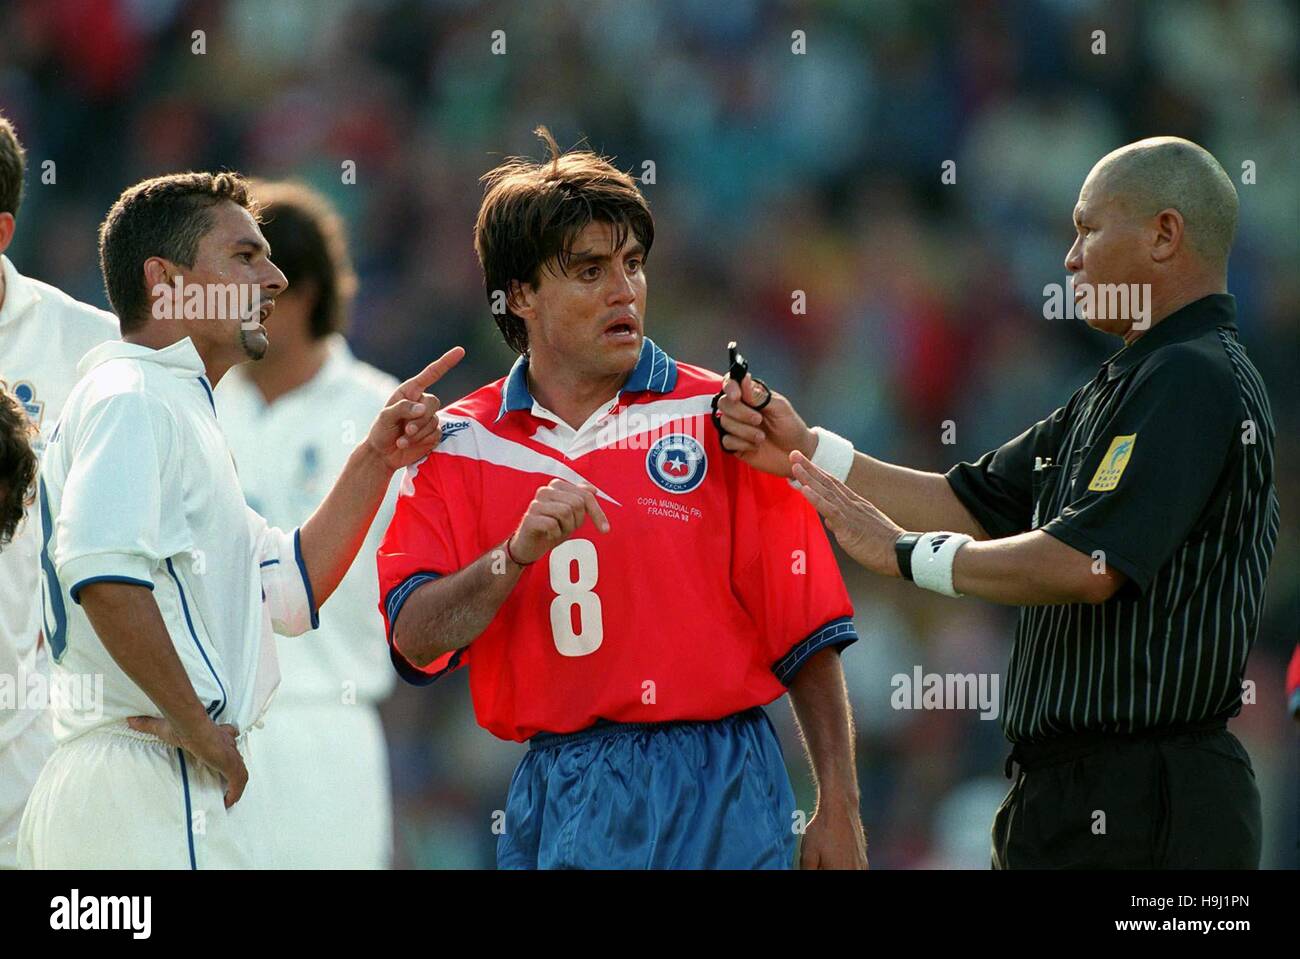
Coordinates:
[511,556]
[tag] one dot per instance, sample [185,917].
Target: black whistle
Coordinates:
[737,367]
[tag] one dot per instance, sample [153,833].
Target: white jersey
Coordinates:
[289,454]
[139,486]
[43,333]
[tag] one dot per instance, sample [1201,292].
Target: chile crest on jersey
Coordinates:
[677,463]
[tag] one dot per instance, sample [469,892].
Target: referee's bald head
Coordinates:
[1162,173]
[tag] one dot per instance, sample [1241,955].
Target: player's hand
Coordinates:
[763,439]
[210,744]
[408,428]
[866,534]
[555,514]
[834,839]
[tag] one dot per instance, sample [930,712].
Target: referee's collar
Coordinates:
[655,371]
[1196,318]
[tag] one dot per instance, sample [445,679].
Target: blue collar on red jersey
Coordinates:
[655,371]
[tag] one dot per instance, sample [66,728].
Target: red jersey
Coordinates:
[714,585]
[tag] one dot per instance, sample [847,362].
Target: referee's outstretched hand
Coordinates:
[557,511]
[408,429]
[866,534]
[763,439]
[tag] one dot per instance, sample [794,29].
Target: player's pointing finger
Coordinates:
[593,509]
[433,372]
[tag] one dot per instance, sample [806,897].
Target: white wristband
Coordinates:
[834,454]
[932,560]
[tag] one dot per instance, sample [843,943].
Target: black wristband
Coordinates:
[903,547]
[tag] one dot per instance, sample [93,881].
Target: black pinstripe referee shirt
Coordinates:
[1161,467]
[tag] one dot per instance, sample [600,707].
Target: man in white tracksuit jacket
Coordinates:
[161,579]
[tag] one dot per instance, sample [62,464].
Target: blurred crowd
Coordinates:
[769,171]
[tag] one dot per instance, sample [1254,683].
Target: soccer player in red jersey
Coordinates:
[626,595]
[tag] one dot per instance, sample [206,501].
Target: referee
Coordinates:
[1134,527]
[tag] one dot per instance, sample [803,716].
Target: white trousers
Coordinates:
[114,798]
[320,785]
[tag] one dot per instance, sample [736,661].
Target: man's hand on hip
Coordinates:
[210,744]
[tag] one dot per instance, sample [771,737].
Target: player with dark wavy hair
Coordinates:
[17,466]
[628,598]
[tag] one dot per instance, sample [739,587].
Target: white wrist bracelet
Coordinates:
[932,560]
[834,454]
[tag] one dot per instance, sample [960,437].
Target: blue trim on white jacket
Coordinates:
[185,607]
[109,578]
[306,580]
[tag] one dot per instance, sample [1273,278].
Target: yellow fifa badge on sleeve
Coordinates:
[1112,464]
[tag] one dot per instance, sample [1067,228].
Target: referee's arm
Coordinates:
[914,498]
[1175,428]
[1033,569]
[997,500]
[1019,567]
[1029,569]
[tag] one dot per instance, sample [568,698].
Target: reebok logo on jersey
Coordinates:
[103,912]
[453,427]
[1112,465]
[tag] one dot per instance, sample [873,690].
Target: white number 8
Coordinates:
[570,593]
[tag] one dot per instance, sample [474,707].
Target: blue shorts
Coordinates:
[682,795]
